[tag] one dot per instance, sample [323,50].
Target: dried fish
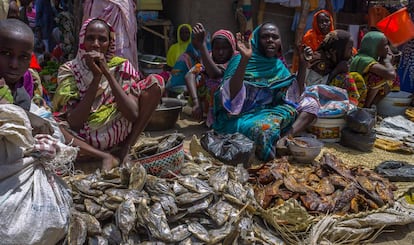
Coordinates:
[219,234]
[112,234]
[197,207]
[154,218]
[77,231]
[125,217]
[179,189]
[92,224]
[84,186]
[180,233]
[194,184]
[168,203]
[199,231]
[237,190]
[104,214]
[220,212]
[92,207]
[138,177]
[219,180]
[156,186]
[97,240]
[190,197]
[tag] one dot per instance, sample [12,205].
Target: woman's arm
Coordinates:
[126,104]
[77,116]
[384,69]
[236,81]
[199,43]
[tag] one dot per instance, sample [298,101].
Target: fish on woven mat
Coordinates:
[128,206]
[326,187]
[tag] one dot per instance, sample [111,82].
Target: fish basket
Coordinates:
[165,163]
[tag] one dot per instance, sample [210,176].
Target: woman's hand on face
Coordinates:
[199,35]
[2,82]
[243,45]
[94,60]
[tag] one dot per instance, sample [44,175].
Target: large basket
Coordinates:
[163,163]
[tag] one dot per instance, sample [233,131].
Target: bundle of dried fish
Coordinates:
[209,205]
[327,187]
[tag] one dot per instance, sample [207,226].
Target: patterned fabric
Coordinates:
[206,87]
[121,15]
[258,110]
[178,48]
[406,67]
[105,127]
[184,63]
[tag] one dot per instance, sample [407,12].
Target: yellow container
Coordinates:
[328,129]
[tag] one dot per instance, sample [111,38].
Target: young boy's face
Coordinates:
[15,54]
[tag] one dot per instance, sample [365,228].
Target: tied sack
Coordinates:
[34,202]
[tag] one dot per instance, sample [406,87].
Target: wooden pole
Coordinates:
[260,14]
[300,31]
[329,7]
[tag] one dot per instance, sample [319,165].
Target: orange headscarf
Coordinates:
[314,37]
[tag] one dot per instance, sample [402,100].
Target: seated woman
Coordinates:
[322,24]
[373,62]
[178,48]
[251,98]
[204,79]
[100,98]
[176,83]
[326,88]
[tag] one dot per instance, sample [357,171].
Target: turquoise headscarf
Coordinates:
[260,68]
[368,52]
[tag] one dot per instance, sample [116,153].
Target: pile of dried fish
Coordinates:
[148,146]
[206,204]
[327,187]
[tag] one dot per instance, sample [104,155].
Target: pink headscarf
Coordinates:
[78,68]
[228,36]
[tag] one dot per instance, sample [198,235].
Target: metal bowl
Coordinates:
[149,61]
[166,115]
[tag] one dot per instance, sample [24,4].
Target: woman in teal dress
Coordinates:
[251,99]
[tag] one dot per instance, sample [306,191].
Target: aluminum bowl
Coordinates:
[166,115]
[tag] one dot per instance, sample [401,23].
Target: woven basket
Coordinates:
[163,163]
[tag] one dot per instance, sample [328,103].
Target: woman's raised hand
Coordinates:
[244,46]
[96,62]
[199,35]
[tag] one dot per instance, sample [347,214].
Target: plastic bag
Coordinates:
[360,121]
[228,148]
[396,170]
[361,142]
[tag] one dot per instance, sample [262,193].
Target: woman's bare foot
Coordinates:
[109,162]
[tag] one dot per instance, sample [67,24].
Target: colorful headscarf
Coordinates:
[368,52]
[178,48]
[259,67]
[78,68]
[227,35]
[313,38]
